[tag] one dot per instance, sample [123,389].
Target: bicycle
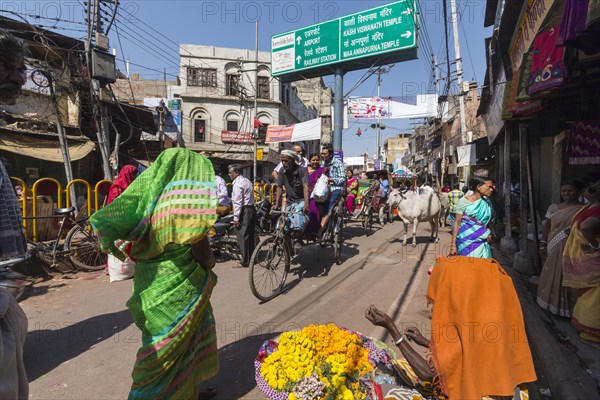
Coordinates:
[271,259]
[366,210]
[334,231]
[81,246]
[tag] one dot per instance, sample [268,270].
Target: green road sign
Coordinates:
[369,35]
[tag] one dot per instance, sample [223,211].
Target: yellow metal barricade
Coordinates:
[101,188]
[34,194]
[23,199]
[97,204]
[89,193]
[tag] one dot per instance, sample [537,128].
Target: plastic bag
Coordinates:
[120,270]
[321,190]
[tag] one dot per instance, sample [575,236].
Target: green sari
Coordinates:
[169,207]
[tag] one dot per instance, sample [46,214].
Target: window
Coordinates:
[232,87]
[199,130]
[263,87]
[262,133]
[206,77]
[232,126]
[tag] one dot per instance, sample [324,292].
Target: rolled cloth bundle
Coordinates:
[291,154]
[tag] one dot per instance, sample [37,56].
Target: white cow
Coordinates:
[425,189]
[416,208]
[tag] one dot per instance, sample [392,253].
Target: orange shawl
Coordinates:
[479,346]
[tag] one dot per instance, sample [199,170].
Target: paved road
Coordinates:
[82,342]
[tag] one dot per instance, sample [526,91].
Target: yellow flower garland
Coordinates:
[300,354]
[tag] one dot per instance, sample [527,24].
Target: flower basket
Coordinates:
[323,362]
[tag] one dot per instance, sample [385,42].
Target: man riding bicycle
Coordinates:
[337,182]
[295,180]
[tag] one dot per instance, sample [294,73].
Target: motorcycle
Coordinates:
[264,221]
[224,239]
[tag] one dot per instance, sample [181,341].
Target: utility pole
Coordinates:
[94,20]
[380,70]
[459,72]
[255,129]
[338,108]
[162,112]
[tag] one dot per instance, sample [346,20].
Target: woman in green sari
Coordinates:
[471,236]
[165,214]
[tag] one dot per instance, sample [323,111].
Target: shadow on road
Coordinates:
[54,343]
[316,261]
[236,372]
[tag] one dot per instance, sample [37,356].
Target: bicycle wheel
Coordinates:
[268,269]
[61,265]
[368,220]
[337,240]
[84,248]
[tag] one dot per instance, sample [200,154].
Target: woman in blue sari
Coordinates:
[471,236]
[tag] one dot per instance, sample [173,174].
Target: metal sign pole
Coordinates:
[255,130]
[338,108]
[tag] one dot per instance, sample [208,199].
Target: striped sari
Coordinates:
[581,270]
[471,240]
[169,207]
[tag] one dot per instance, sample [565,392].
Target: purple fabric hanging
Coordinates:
[574,31]
[584,143]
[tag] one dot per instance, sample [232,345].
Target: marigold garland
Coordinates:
[318,362]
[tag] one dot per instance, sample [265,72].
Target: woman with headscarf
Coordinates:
[581,264]
[352,190]
[124,179]
[119,270]
[165,213]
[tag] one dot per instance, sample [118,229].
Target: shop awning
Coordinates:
[43,149]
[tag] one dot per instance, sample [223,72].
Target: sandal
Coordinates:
[239,265]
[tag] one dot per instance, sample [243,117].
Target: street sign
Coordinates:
[259,154]
[377,36]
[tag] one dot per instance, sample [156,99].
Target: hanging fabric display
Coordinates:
[584,143]
[547,67]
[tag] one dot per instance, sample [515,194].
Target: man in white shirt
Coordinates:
[244,213]
[303,162]
[224,201]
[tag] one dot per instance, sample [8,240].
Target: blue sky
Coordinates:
[150,31]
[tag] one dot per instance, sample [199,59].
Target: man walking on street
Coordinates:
[453,197]
[244,213]
[337,182]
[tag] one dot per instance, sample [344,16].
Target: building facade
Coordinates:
[395,149]
[217,93]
